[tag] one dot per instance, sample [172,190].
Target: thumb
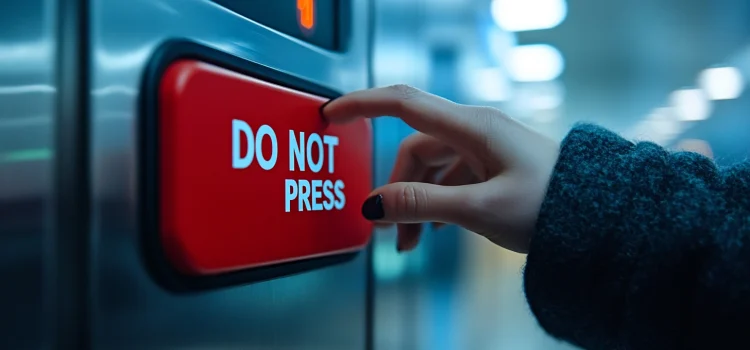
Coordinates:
[415,202]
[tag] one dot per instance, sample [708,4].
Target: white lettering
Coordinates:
[338,187]
[238,161]
[311,195]
[296,150]
[291,193]
[266,164]
[327,188]
[316,194]
[314,139]
[331,141]
[304,194]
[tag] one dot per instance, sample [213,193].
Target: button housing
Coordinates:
[207,223]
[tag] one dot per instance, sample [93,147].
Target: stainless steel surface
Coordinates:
[318,310]
[27,102]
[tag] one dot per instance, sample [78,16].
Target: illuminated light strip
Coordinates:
[535,63]
[525,15]
[690,105]
[26,155]
[722,83]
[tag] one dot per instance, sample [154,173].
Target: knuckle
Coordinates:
[405,149]
[484,200]
[412,201]
[415,140]
[483,205]
[404,92]
[410,141]
[488,119]
[490,116]
[487,112]
[403,95]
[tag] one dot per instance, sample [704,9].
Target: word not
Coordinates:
[310,195]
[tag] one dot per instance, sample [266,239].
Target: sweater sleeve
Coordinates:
[640,248]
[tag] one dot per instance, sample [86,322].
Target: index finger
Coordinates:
[456,124]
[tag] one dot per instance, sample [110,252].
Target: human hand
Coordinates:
[466,165]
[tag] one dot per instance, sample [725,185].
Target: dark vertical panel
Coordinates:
[71,244]
[27,100]
[370,284]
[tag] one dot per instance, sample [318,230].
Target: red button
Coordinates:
[250,174]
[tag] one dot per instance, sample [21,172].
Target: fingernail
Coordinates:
[372,209]
[323,106]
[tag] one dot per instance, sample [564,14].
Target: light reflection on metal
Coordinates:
[26,89]
[115,90]
[26,155]
[20,53]
[18,122]
[122,60]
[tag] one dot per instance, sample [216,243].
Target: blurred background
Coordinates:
[668,71]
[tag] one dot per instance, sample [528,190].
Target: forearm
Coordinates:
[633,243]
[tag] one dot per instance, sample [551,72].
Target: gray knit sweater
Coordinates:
[640,248]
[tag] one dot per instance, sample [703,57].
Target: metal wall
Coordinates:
[27,110]
[70,256]
[319,310]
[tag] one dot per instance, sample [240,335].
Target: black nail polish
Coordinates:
[372,209]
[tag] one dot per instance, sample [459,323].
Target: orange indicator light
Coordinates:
[306,13]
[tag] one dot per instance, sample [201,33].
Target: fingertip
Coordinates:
[408,237]
[339,110]
[322,109]
[409,246]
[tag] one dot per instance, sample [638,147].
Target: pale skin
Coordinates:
[466,165]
